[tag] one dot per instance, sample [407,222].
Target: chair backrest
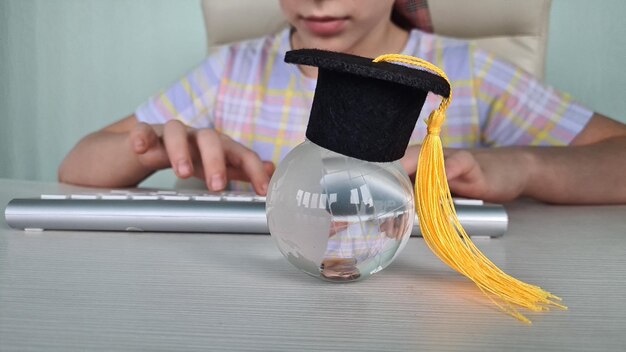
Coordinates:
[515,30]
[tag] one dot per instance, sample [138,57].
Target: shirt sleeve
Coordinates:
[191,99]
[516,109]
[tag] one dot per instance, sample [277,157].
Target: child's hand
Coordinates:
[496,174]
[204,153]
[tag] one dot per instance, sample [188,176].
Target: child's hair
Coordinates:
[410,14]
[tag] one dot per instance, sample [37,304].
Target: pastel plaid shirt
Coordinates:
[246,91]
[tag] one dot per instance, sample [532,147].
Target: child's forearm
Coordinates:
[589,174]
[584,174]
[103,159]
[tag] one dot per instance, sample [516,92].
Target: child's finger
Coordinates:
[213,161]
[143,137]
[248,162]
[145,141]
[409,160]
[176,141]
[459,163]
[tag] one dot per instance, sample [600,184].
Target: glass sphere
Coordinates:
[339,218]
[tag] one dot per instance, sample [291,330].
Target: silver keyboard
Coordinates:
[184,211]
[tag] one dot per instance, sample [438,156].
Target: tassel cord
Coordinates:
[442,231]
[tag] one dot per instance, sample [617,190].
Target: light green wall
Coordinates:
[68,67]
[587,53]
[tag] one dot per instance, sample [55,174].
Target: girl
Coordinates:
[237,114]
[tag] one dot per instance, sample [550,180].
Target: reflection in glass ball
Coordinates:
[339,218]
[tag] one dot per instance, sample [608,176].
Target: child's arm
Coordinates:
[105,159]
[126,152]
[589,171]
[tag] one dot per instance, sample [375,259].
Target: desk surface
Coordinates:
[128,291]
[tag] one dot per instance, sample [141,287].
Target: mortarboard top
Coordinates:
[364,109]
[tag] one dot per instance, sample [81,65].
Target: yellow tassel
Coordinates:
[442,230]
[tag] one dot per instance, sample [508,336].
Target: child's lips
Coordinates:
[324,26]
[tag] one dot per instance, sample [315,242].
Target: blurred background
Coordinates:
[69,67]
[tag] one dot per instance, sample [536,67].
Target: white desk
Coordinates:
[127,291]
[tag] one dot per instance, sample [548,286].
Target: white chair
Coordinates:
[514,30]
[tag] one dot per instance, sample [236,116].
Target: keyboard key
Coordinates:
[113,196]
[468,201]
[207,198]
[164,193]
[175,197]
[238,198]
[53,196]
[144,197]
[84,196]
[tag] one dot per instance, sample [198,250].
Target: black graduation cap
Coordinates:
[364,109]
[367,109]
